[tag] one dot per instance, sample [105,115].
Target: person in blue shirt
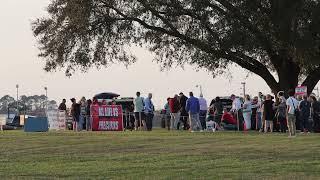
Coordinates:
[148,110]
[193,108]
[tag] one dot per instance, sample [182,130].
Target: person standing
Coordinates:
[218,110]
[149,111]
[183,113]
[138,111]
[315,113]
[247,112]
[258,116]
[292,107]
[83,114]
[63,106]
[193,108]
[299,98]
[263,118]
[75,113]
[175,115]
[268,110]
[281,114]
[88,115]
[167,114]
[304,113]
[236,110]
[203,111]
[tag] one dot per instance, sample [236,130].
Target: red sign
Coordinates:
[107,118]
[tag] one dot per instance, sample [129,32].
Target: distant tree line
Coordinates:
[31,104]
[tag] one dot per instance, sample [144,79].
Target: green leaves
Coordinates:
[211,34]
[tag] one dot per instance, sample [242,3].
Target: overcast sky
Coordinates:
[20,65]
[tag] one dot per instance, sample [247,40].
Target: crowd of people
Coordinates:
[80,112]
[263,113]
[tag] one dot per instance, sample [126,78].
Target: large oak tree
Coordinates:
[278,40]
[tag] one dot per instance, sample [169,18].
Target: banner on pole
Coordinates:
[301,90]
[107,118]
[56,119]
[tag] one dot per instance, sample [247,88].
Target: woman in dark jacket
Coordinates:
[268,113]
[281,114]
[218,110]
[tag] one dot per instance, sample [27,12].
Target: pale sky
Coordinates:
[21,65]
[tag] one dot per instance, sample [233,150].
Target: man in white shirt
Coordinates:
[292,106]
[203,111]
[236,110]
[236,103]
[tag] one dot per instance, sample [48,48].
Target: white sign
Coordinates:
[3,120]
[56,119]
[301,90]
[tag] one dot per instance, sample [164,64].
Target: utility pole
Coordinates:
[17,86]
[200,87]
[46,89]
[244,89]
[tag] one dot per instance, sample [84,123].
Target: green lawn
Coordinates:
[158,155]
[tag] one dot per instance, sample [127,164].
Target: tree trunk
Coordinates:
[288,73]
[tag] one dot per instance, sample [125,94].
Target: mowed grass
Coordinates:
[158,155]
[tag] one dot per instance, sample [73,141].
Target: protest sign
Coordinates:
[301,90]
[22,120]
[107,118]
[56,119]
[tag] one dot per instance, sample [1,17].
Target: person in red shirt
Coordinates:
[174,106]
[227,118]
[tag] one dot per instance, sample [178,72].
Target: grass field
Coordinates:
[158,155]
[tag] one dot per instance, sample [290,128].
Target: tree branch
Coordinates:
[264,41]
[312,79]
[254,66]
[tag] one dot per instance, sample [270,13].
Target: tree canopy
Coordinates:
[30,104]
[277,40]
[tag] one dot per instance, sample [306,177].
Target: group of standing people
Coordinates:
[80,112]
[267,115]
[143,112]
[186,113]
[191,113]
